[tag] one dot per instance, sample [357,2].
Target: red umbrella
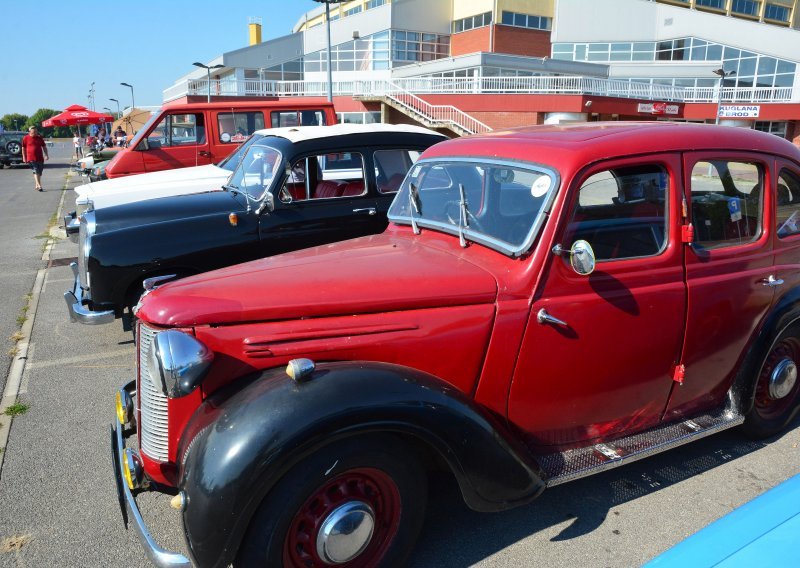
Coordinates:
[77,114]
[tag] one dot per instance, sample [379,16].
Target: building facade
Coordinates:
[473,65]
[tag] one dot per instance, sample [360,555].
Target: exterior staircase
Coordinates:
[432,116]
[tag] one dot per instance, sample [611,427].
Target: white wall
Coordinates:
[366,23]
[641,20]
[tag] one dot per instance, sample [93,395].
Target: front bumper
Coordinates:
[130,511]
[72,225]
[77,311]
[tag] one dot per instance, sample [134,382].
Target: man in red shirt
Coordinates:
[34,151]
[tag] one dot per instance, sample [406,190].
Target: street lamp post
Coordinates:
[328,37]
[208,73]
[119,114]
[91,95]
[721,73]
[133,102]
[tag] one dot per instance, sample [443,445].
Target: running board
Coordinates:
[581,462]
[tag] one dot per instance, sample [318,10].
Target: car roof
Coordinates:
[303,133]
[574,145]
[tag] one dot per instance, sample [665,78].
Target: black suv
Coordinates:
[11,148]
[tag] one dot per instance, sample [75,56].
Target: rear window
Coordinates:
[297,118]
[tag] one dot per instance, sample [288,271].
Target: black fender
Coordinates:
[240,442]
[785,312]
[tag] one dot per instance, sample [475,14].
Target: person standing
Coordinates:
[78,144]
[34,152]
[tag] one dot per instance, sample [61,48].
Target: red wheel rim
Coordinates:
[368,485]
[766,406]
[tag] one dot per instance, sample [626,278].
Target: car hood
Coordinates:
[387,272]
[149,182]
[167,209]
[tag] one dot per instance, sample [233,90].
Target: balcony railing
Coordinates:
[485,85]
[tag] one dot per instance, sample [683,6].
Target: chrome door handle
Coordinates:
[369,210]
[771,281]
[543,317]
[205,154]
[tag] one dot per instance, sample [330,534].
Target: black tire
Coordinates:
[361,469]
[773,411]
[14,148]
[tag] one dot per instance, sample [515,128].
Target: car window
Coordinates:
[178,130]
[325,176]
[391,167]
[255,170]
[297,118]
[235,127]
[621,212]
[787,214]
[727,202]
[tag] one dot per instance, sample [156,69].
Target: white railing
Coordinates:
[437,115]
[484,85]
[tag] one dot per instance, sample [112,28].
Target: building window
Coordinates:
[363,54]
[772,127]
[410,47]
[746,7]
[472,22]
[779,13]
[718,4]
[369,117]
[526,21]
[352,11]
[374,4]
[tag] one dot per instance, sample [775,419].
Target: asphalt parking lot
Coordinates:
[58,504]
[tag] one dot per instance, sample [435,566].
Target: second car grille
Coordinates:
[154,441]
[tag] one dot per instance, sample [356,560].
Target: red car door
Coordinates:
[728,269]
[177,141]
[608,368]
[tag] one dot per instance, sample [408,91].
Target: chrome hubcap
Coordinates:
[346,532]
[782,380]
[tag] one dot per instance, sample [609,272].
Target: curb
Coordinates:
[17,369]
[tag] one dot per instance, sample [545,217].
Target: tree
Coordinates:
[43,114]
[14,121]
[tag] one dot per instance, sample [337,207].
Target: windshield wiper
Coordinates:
[413,197]
[462,216]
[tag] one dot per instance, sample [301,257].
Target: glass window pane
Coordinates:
[788,204]
[234,128]
[726,203]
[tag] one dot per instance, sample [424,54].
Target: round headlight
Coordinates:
[178,361]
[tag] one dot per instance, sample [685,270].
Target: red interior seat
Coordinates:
[353,188]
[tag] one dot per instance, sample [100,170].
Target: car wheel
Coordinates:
[358,503]
[777,389]
[14,147]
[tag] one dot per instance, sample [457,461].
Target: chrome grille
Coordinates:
[153,431]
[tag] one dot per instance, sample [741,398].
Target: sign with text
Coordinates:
[658,108]
[739,111]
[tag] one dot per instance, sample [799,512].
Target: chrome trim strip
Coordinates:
[155,553]
[498,245]
[77,311]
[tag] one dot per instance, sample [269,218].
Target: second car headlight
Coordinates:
[178,361]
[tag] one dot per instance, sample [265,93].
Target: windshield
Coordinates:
[233,159]
[256,170]
[143,130]
[498,204]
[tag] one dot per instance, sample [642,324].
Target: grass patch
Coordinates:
[16,409]
[13,352]
[17,336]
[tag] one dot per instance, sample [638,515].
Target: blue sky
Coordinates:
[56,48]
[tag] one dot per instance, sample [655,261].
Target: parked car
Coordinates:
[98,171]
[84,165]
[166,183]
[11,148]
[546,303]
[182,135]
[763,532]
[259,214]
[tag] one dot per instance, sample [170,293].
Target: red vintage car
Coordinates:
[546,303]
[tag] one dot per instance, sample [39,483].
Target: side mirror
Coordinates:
[269,202]
[581,257]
